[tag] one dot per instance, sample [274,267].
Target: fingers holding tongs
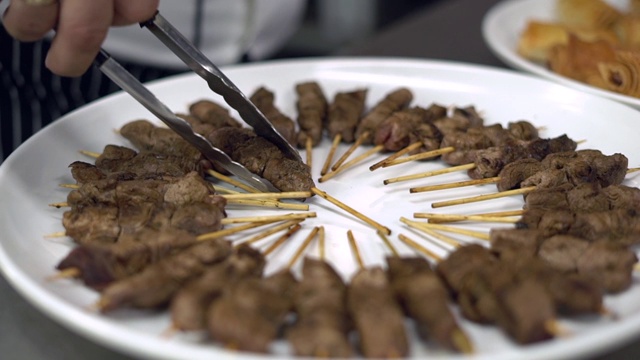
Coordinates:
[217,81]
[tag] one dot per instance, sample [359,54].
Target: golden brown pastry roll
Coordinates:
[627,29]
[586,13]
[623,74]
[579,59]
[634,7]
[539,37]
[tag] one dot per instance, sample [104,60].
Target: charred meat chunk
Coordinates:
[371,302]
[264,100]
[263,158]
[344,114]
[394,101]
[312,108]
[156,284]
[251,313]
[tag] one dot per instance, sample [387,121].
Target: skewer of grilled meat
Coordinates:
[190,303]
[124,163]
[489,291]
[344,114]
[477,137]
[406,127]
[263,158]
[107,224]
[250,313]
[620,226]
[206,116]
[98,265]
[608,265]
[395,100]
[376,315]
[489,162]
[312,109]
[461,119]
[145,136]
[602,265]
[574,167]
[426,300]
[322,324]
[264,100]
[112,192]
[156,284]
[586,197]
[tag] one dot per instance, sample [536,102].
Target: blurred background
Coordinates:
[330,25]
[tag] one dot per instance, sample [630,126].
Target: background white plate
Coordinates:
[29,181]
[501,29]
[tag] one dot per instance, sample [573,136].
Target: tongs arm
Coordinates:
[137,90]
[218,82]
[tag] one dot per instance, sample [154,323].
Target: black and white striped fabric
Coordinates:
[31,96]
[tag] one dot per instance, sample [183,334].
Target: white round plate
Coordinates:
[501,29]
[29,181]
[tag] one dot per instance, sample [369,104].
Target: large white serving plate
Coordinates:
[501,29]
[29,181]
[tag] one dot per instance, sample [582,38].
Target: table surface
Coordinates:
[25,333]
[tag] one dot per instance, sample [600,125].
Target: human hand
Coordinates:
[81,26]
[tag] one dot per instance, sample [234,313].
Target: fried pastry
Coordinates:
[623,74]
[586,13]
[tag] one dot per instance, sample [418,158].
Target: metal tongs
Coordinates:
[217,82]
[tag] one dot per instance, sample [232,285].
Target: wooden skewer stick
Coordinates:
[355,250]
[60,204]
[455,217]
[351,149]
[383,229]
[471,199]
[88,153]
[169,332]
[418,226]
[491,180]
[308,144]
[386,241]
[269,204]
[476,234]
[230,231]
[321,243]
[419,248]
[225,190]
[270,231]
[420,156]
[264,203]
[70,186]
[430,173]
[462,341]
[233,182]
[454,185]
[556,329]
[268,218]
[65,274]
[56,234]
[396,155]
[302,247]
[491,214]
[332,151]
[274,195]
[351,163]
[282,239]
